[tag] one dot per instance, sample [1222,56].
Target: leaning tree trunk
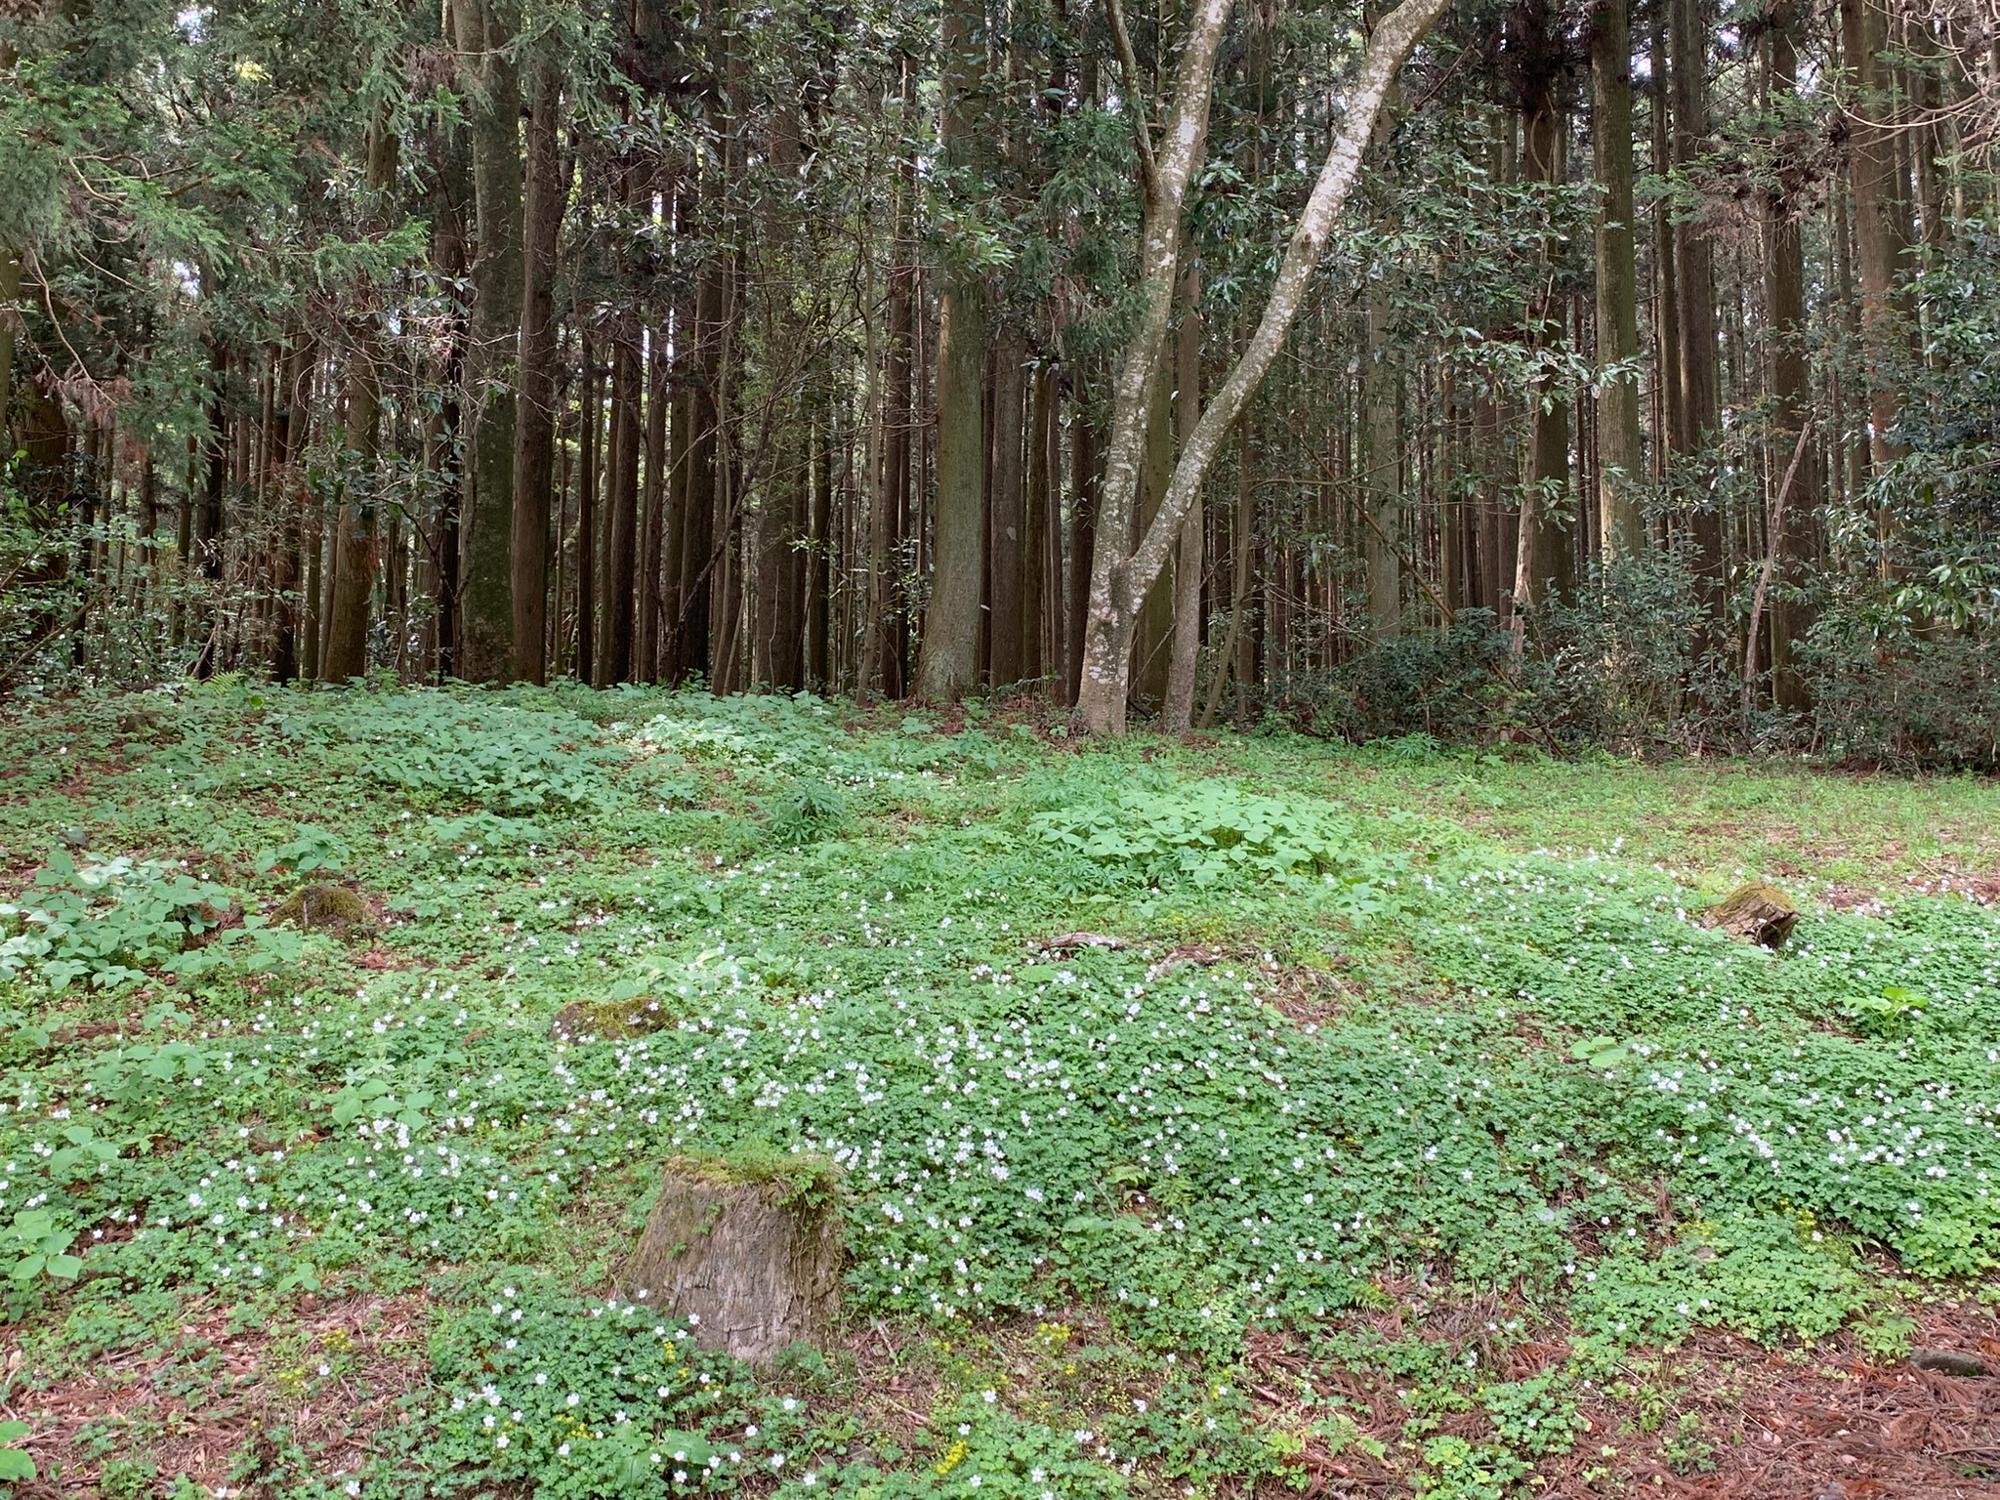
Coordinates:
[1119,582]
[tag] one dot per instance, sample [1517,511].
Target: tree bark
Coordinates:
[653,500]
[1694,271]
[621,504]
[1548,554]
[346,652]
[535,402]
[493,109]
[1791,384]
[890,506]
[1008,560]
[948,653]
[1881,219]
[295,646]
[10,288]
[1177,708]
[1620,519]
[591,443]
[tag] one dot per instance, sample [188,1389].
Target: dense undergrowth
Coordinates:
[1414,1076]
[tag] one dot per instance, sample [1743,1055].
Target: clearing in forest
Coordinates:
[1245,1116]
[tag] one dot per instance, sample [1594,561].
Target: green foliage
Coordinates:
[1359,1059]
[313,849]
[1207,833]
[34,1249]
[15,1466]
[106,921]
[596,1399]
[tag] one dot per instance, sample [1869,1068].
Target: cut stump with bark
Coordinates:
[1757,913]
[750,1256]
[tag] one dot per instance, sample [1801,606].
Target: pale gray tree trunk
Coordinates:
[1119,580]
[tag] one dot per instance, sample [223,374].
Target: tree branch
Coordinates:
[1135,101]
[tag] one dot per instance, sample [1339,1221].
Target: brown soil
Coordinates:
[249,1388]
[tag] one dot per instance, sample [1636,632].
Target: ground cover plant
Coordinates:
[1206,1118]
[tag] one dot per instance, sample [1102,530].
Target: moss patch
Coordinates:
[326,908]
[609,1020]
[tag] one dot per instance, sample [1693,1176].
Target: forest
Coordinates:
[1582,374]
[1058,749]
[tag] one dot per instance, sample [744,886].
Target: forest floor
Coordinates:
[1412,1136]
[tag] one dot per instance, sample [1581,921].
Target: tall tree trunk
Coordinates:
[1156,614]
[1694,271]
[1041,498]
[10,288]
[1620,519]
[1791,377]
[890,503]
[1881,216]
[778,524]
[449,200]
[1546,557]
[948,653]
[621,504]
[652,535]
[1177,708]
[1666,282]
[493,110]
[1083,489]
[295,648]
[1381,467]
[346,653]
[535,403]
[696,556]
[586,517]
[816,557]
[1007,559]
[208,516]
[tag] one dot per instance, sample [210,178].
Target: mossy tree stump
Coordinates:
[751,1258]
[1757,913]
[326,908]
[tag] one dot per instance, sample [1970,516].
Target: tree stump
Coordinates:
[1757,913]
[751,1257]
[326,908]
